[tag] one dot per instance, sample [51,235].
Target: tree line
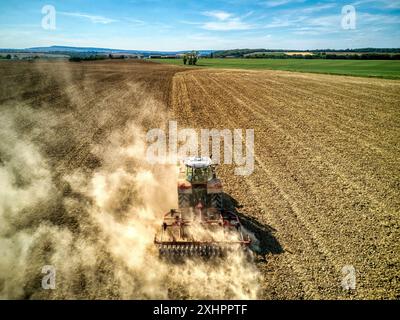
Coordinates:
[351,54]
[333,56]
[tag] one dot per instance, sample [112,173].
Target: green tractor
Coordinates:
[190,58]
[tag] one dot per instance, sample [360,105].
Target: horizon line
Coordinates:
[147,50]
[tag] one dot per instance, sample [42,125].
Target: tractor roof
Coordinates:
[198,162]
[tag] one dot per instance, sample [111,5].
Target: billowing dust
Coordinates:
[94,223]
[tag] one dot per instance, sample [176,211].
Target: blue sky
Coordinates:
[205,24]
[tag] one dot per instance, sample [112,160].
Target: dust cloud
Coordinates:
[94,223]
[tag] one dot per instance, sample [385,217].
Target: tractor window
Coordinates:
[189,173]
[202,174]
[198,174]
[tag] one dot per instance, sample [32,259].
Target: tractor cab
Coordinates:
[198,183]
[199,170]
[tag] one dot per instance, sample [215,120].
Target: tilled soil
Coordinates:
[325,192]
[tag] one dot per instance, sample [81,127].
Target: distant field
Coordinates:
[368,68]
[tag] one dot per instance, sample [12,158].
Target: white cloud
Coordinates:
[220,15]
[331,21]
[311,9]
[224,21]
[232,24]
[378,19]
[136,22]
[318,8]
[92,18]
[393,4]
[190,22]
[361,2]
[284,22]
[277,3]
[382,4]
[304,16]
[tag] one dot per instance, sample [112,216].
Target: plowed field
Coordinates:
[325,192]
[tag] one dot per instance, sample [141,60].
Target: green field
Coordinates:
[389,69]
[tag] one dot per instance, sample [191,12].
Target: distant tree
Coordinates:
[8,56]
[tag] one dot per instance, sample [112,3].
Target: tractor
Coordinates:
[201,226]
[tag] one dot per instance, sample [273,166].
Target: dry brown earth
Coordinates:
[326,189]
[325,192]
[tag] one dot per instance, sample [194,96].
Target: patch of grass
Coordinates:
[389,69]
